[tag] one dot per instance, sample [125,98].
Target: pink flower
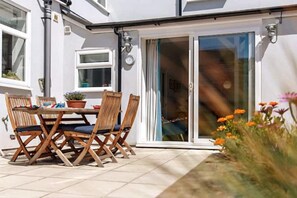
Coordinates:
[289,97]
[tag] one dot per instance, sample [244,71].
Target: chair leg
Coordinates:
[83,152]
[48,149]
[96,158]
[109,154]
[105,148]
[116,146]
[69,141]
[129,148]
[122,141]
[87,148]
[22,148]
[2,153]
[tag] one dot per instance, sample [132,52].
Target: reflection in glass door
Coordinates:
[226,77]
[167,79]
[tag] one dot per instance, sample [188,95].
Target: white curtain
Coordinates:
[154,121]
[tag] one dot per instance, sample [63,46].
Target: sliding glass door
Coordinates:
[226,77]
[184,100]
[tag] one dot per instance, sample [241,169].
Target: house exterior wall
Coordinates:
[143,9]
[35,63]
[279,61]
[276,63]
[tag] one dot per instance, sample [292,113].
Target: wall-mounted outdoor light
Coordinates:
[127,42]
[272,32]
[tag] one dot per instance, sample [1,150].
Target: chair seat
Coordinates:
[86,129]
[28,128]
[35,128]
[71,127]
[117,127]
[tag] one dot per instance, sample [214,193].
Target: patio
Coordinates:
[146,174]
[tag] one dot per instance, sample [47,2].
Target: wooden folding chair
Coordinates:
[106,120]
[121,132]
[23,124]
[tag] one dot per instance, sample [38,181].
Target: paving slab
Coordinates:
[146,174]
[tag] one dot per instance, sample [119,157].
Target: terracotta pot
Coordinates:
[76,103]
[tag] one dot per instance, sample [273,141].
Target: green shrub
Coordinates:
[264,149]
[74,96]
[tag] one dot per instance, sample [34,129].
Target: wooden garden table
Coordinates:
[50,131]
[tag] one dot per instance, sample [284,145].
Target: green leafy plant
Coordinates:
[74,96]
[264,150]
[10,75]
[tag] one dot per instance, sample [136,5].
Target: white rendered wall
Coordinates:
[279,61]
[36,64]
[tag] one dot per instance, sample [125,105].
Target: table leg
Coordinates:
[48,141]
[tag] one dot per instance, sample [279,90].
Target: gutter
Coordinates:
[116,31]
[47,47]
[168,20]
[47,43]
[119,86]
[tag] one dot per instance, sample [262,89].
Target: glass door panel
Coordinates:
[174,88]
[167,77]
[226,79]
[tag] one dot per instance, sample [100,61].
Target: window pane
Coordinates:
[94,58]
[13,57]
[226,65]
[12,17]
[94,77]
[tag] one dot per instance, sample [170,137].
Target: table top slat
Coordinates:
[42,110]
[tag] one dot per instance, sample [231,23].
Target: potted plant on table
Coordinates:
[75,99]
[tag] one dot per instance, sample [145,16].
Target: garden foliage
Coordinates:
[264,149]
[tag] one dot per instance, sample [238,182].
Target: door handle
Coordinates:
[191,86]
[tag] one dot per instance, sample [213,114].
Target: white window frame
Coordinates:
[100,3]
[10,83]
[97,65]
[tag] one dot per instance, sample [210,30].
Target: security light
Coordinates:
[127,42]
[272,32]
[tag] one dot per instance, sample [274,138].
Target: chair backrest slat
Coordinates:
[109,110]
[130,112]
[40,100]
[19,118]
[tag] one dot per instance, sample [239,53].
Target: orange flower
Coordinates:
[262,104]
[229,117]
[273,103]
[221,128]
[251,123]
[232,137]
[221,119]
[239,111]
[229,134]
[213,133]
[219,141]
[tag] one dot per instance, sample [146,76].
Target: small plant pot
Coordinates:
[76,103]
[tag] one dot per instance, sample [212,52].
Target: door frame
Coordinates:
[193,31]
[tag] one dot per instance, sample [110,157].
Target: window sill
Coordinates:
[15,86]
[94,89]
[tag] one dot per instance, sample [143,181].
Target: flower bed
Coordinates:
[264,148]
